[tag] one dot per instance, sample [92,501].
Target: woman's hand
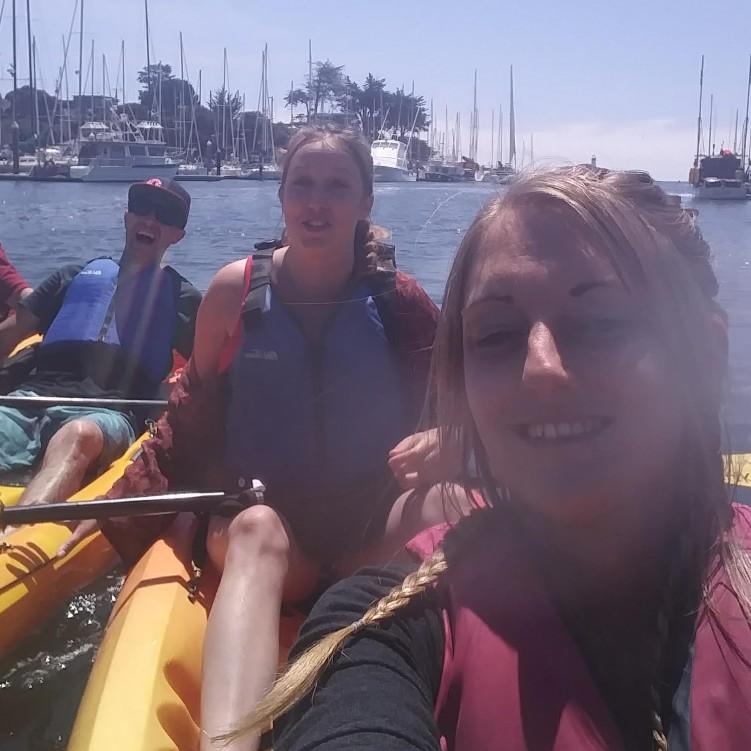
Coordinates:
[420,461]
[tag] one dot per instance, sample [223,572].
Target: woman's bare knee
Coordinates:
[258,534]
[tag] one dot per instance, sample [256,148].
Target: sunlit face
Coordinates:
[568,385]
[147,238]
[323,198]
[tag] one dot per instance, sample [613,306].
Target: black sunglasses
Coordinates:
[172,216]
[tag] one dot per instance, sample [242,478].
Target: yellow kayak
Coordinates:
[33,583]
[144,691]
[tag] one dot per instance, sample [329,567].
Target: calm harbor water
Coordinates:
[43,226]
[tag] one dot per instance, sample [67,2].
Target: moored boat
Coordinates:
[126,153]
[390,162]
[437,171]
[720,178]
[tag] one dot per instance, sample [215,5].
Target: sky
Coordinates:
[610,78]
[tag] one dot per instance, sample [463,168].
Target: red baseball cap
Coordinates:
[168,193]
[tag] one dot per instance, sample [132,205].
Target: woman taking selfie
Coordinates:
[602,599]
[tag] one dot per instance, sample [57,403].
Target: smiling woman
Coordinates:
[602,599]
[310,364]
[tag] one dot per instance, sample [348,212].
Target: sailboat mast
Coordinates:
[698,121]
[224,105]
[512,125]
[67,97]
[80,65]
[104,107]
[492,140]
[446,134]
[473,124]
[181,132]
[122,53]
[36,98]
[148,60]
[310,74]
[31,63]
[745,122]
[91,66]
[711,111]
[14,125]
[500,135]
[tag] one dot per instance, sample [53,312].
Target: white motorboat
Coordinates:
[390,164]
[125,153]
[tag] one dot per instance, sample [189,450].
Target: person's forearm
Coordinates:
[10,335]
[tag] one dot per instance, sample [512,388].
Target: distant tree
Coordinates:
[369,101]
[25,115]
[404,111]
[326,87]
[178,102]
[294,98]
[282,134]
[152,79]
[134,110]
[225,107]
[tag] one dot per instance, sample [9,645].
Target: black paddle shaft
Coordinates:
[104,509]
[44,402]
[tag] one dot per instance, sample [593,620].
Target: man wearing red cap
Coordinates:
[109,330]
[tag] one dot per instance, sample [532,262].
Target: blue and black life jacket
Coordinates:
[128,331]
[324,415]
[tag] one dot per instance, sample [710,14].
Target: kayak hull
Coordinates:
[33,582]
[144,690]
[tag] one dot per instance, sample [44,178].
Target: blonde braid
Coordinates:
[300,677]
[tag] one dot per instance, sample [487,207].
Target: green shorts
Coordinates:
[25,433]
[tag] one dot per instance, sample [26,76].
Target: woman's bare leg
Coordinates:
[260,566]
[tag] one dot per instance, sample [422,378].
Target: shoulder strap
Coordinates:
[382,282]
[256,291]
[257,298]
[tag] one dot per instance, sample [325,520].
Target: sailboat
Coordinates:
[116,149]
[723,177]
[503,174]
[265,170]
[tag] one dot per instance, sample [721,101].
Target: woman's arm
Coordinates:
[380,691]
[217,317]
[188,435]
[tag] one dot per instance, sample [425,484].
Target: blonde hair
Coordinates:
[652,243]
[353,143]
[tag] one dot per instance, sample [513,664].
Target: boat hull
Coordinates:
[105,173]
[721,192]
[383,174]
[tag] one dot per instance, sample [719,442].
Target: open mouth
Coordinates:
[558,432]
[144,237]
[316,225]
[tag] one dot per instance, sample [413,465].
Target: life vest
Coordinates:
[513,677]
[139,325]
[301,416]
